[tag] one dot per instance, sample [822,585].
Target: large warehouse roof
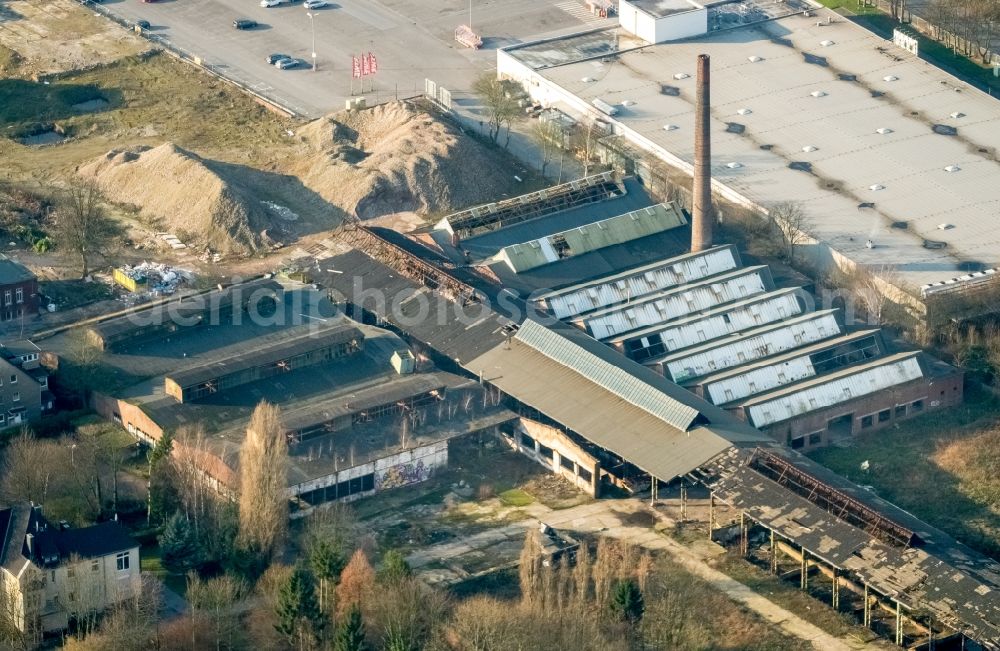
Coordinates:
[610,400]
[864,122]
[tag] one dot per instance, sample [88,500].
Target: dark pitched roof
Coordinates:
[88,542]
[13,272]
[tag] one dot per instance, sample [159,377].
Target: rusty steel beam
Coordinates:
[409,265]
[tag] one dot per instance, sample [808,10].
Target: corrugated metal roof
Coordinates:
[591,237]
[639,282]
[539,370]
[755,344]
[612,378]
[675,303]
[740,315]
[827,390]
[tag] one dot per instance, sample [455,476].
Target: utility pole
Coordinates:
[312,27]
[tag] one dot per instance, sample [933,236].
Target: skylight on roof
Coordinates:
[734,165]
[876,187]
[890,78]
[754,58]
[883,131]
[818,93]
[669,127]
[957,114]
[810,148]
[744,111]
[826,43]
[587,80]
[952,168]
[681,75]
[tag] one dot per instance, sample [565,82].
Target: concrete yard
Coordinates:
[394,30]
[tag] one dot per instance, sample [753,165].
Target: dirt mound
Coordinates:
[397,158]
[188,194]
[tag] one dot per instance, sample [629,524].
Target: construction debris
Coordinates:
[151,279]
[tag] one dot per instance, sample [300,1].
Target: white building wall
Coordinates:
[747,350]
[671,274]
[837,391]
[758,380]
[636,22]
[720,325]
[667,28]
[674,306]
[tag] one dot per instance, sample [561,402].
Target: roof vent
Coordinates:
[734,165]
[884,131]
[876,187]
[826,43]
[810,148]
[952,168]
[669,127]
[754,59]
[628,102]
[587,80]
[744,111]
[890,78]
[957,114]
[818,93]
[945,227]
[681,75]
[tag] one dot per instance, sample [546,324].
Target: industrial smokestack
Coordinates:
[703,219]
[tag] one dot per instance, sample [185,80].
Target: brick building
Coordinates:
[18,290]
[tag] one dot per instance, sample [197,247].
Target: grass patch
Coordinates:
[67,294]
[150,562]
[516,497]
[932,467]
[26,102]
[10,60]
[849,7]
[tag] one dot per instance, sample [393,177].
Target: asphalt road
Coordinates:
[412,39]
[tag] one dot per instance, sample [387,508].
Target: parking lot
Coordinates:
[412,39]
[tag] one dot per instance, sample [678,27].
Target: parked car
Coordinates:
[142,24]
[284,64]
[315,4]
[274,58]
[244,23]
[271,3]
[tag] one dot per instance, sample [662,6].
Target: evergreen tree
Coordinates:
[178,546]
[394,568]
[299,617]
[327,562]
[627,604]
[351,632]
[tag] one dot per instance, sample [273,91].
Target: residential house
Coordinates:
[52,573]
[18,291]
[24,384]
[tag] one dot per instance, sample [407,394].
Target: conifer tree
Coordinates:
[351,632]
[178,546]
[299,616]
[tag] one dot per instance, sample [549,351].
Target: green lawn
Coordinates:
[849,6]
[961,499]
[516,497]
[149,561]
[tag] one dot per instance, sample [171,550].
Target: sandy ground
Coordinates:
[59,35]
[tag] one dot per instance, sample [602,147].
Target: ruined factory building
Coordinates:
[360,413]
[874,143]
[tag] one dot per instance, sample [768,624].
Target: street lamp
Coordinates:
[312,26]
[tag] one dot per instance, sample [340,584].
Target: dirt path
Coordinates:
[612,518]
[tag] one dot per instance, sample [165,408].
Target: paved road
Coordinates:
[608,518]
[412,39]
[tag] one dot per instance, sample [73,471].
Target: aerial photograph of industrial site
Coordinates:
[500,325]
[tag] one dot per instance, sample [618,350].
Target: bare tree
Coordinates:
[26,470]
[82,229]
[216,600]
[869,289]
[548,137]
[499,97]
[585,143]
[791,225]
[264,482]
[357,583]
[530,567]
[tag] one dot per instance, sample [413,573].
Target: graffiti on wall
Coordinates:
[401,475]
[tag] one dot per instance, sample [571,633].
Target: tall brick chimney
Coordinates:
[703,219]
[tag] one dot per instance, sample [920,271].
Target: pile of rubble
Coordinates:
[154,279]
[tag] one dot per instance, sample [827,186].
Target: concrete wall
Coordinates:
[530,436]
[668,28]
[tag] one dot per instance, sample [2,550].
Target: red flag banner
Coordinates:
[365,65]
[355,67]
[374,63]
